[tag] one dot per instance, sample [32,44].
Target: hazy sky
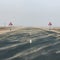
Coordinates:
[30,12]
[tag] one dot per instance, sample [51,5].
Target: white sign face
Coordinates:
[30,41]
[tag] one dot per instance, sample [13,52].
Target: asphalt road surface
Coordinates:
[16,45]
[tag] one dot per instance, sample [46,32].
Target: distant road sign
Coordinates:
[49,23]
[10,24]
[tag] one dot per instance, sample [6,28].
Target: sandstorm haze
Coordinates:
[30,12]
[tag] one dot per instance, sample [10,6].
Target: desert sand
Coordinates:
[7,29]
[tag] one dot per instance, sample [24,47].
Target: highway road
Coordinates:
[15,45]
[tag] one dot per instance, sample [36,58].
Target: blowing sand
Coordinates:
[4,31]
[7,29]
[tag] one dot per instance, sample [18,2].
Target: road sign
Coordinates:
[10,24]
[49,24]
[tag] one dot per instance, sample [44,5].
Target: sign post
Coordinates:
[49,24]
[10,25]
